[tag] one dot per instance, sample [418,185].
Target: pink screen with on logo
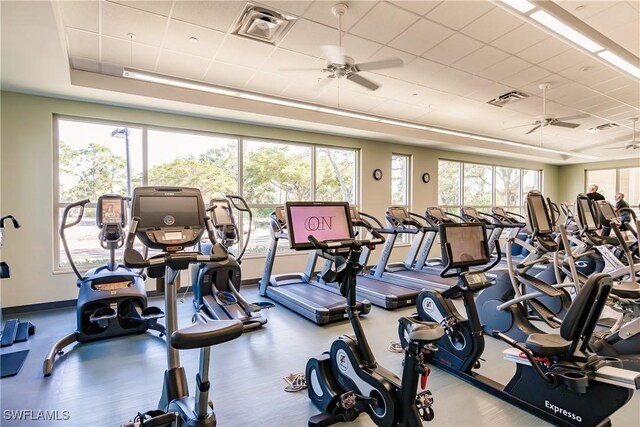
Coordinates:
[322,222]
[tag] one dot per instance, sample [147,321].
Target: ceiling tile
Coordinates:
[625,93]
[627,36]
[420,37]
[86,65]
[420,7]
[178,35]
[282,58]
[394,89]
[457,14]
[595,75]
[156,6]
[118,21]
[619,14]
[613,84]
[383,23]
[358,48]
[520,38]
[482,58]
[466,86]
[121,52]
[182,65]
[526,76]
[269,83]
[307,37]
[305,90]
[447,78]
[357,101]
[418,71]
[502,69]
[83,44]
[228,75]
[570,58]
[219,15]
[543,50]
[399,110]
[297,7]
[82,15]
[599,108]
[320,11]
[452,49]
[245,52]
[493,24]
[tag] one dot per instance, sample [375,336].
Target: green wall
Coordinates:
[27,159]
[571,178]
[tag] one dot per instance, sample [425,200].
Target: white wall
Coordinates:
[26,185]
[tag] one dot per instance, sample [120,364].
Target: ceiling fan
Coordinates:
[341,66]
[550,119]
[634,144]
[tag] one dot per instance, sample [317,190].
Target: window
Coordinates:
[483,186]
[619,180]
[400,180]
[400,173]
[92,160]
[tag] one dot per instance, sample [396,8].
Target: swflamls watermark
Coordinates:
[35,415]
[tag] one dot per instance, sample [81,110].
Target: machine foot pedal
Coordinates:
[25,330]
[9,332]
[544,313]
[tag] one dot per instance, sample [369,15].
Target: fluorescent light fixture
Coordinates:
[565,31]
[404,124]
[519,5]
[531,147]
[450,132]
[349,114]
[203,87]
[278,101]
[620,63]
[172,81]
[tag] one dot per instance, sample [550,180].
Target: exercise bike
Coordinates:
[557,377]
[172,220]
[347,380]
[112,300]
[216,285]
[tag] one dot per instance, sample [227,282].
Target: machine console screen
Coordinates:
[472,212]
[162,212]
[466,243]
[589,220]
[540,213]
[111,210]
[474,279]
[222,212]
[606,210]
[437,213]
[324,221]
[399,212]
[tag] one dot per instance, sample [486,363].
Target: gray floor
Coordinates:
[106,383]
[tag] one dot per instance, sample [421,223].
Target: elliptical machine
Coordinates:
[557,377]
[112,300]
[347,380]
[216,285]
[172,220]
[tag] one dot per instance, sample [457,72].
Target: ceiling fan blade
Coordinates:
[334,54]
[564,124]
[533,129]
[297,69]
[378,65]
[323,83]
[358,79]
[576,117]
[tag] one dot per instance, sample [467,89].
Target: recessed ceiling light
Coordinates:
[193,39]
[620,63]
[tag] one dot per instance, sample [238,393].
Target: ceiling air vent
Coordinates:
[600,128]
[508,98]
[262,24]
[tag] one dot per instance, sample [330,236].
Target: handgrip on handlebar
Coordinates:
[67,209]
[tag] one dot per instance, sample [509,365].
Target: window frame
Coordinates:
[145,128]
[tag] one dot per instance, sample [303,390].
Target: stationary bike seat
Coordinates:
[626,290]
[205,332]
[418,330]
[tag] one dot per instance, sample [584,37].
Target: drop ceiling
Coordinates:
[458,55]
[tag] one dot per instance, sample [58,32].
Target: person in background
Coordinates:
[624,216]
[592,193]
